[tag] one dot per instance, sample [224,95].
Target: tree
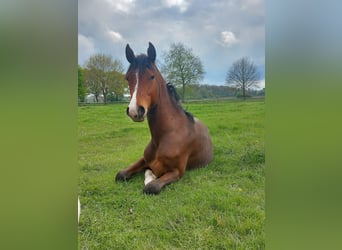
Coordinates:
[182,67]
[92,84]
[243,74]
[101,75]
[81,87]
[118,84]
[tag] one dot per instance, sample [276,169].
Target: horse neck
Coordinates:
[165,116]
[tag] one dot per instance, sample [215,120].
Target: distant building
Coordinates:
[126,94]
[90,98]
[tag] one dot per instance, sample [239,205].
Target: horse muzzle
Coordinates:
[137,115]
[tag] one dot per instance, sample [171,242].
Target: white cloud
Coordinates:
[253,6]
[261,84]
[115,36]
[181,4]
[121,5]
[228,38]
[86,47]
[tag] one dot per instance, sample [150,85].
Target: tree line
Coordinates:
[206,91]
[103,77]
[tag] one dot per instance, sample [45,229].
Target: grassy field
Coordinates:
[221,206]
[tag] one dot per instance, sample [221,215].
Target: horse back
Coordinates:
[202,152]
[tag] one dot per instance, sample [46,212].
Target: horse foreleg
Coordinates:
[155,186]
[136,168]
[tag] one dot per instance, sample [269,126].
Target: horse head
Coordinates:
[143,79]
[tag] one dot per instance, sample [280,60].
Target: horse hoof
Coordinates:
[152,188]
[121,176]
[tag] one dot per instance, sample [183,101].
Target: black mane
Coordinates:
[173,93]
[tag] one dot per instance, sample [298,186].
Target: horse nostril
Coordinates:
[127,111]
[141,111]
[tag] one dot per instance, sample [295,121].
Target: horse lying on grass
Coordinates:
[179,141]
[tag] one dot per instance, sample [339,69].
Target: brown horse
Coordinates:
[179,141]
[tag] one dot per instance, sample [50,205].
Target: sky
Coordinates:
[218,31]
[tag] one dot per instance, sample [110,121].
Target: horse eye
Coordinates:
[152,77]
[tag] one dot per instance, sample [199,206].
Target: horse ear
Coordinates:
[151,52]
[129,54]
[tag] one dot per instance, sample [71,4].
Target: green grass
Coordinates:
[221,206]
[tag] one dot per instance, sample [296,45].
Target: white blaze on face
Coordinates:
[149,176]
[133,103]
